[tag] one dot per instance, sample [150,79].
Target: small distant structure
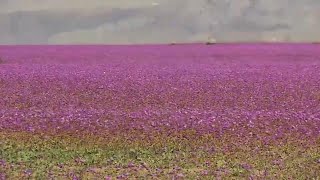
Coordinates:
[173,43]
[1,60]
[274,39]
[211,41]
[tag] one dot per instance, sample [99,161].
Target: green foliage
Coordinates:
[60,156]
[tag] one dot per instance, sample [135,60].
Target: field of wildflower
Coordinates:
[192,111]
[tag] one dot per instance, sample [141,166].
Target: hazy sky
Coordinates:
[157,21]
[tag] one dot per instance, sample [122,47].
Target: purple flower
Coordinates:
[247,167]
[108,178]
[204,172]
[180,175]
[130,165]
[2,162]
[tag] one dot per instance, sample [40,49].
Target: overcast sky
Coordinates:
[157,21]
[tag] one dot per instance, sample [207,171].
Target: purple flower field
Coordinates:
[234,93]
